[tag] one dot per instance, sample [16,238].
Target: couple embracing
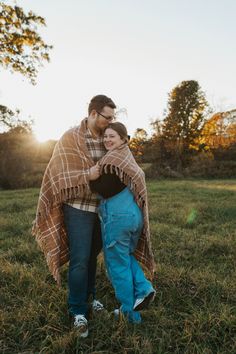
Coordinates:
[93,197]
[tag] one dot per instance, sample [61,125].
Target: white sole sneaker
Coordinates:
[143,303]
[81,325]
[84,334]
[97,306]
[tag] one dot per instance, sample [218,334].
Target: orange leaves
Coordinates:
[219,130]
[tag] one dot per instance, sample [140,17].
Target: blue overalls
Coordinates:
[121,224]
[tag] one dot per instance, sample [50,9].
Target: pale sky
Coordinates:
[131,50]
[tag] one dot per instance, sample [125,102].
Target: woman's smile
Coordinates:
[112,139]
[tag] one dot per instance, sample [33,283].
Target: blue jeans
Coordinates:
[121,223]
[85,243]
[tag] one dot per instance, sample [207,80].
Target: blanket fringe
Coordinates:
[53,268]
[65,195]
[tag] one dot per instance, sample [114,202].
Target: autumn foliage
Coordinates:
[209,150]
[21,47]
[190,140]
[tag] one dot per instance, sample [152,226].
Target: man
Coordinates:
[67,225]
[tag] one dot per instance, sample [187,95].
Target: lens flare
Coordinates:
[192,216]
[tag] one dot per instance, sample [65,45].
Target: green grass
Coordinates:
[193,226]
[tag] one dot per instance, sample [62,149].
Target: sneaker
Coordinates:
[117,313]
[97,306]
[81,324]
[142,303]
[132,317]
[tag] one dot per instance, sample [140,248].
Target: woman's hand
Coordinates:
[94,172]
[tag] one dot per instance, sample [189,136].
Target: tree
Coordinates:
[212,134]
[156,125]
[186,113]
[155,150]
[8,118]
[219,131]
[138,142]
[21,47]
[16,149]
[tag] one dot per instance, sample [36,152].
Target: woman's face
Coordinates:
[111,139]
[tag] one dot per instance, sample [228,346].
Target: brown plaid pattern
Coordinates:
[66,178]
[90,201]
[123,163]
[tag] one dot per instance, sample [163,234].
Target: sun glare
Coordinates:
[46,130]
[42,135]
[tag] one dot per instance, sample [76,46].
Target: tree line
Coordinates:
[190,140]
[22,158]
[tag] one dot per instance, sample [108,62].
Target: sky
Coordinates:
[134,51]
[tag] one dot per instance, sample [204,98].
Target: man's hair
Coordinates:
[99,102]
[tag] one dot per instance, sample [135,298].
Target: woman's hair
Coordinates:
[120,129]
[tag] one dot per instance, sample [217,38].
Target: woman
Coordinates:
[124,222]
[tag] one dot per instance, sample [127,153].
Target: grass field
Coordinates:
[193,226]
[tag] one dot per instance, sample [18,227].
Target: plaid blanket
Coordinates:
[65,179]
[123,163]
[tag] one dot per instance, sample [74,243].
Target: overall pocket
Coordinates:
[119,228]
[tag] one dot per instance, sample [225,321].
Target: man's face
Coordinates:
[104,117]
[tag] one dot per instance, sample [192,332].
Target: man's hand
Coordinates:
[94,172]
